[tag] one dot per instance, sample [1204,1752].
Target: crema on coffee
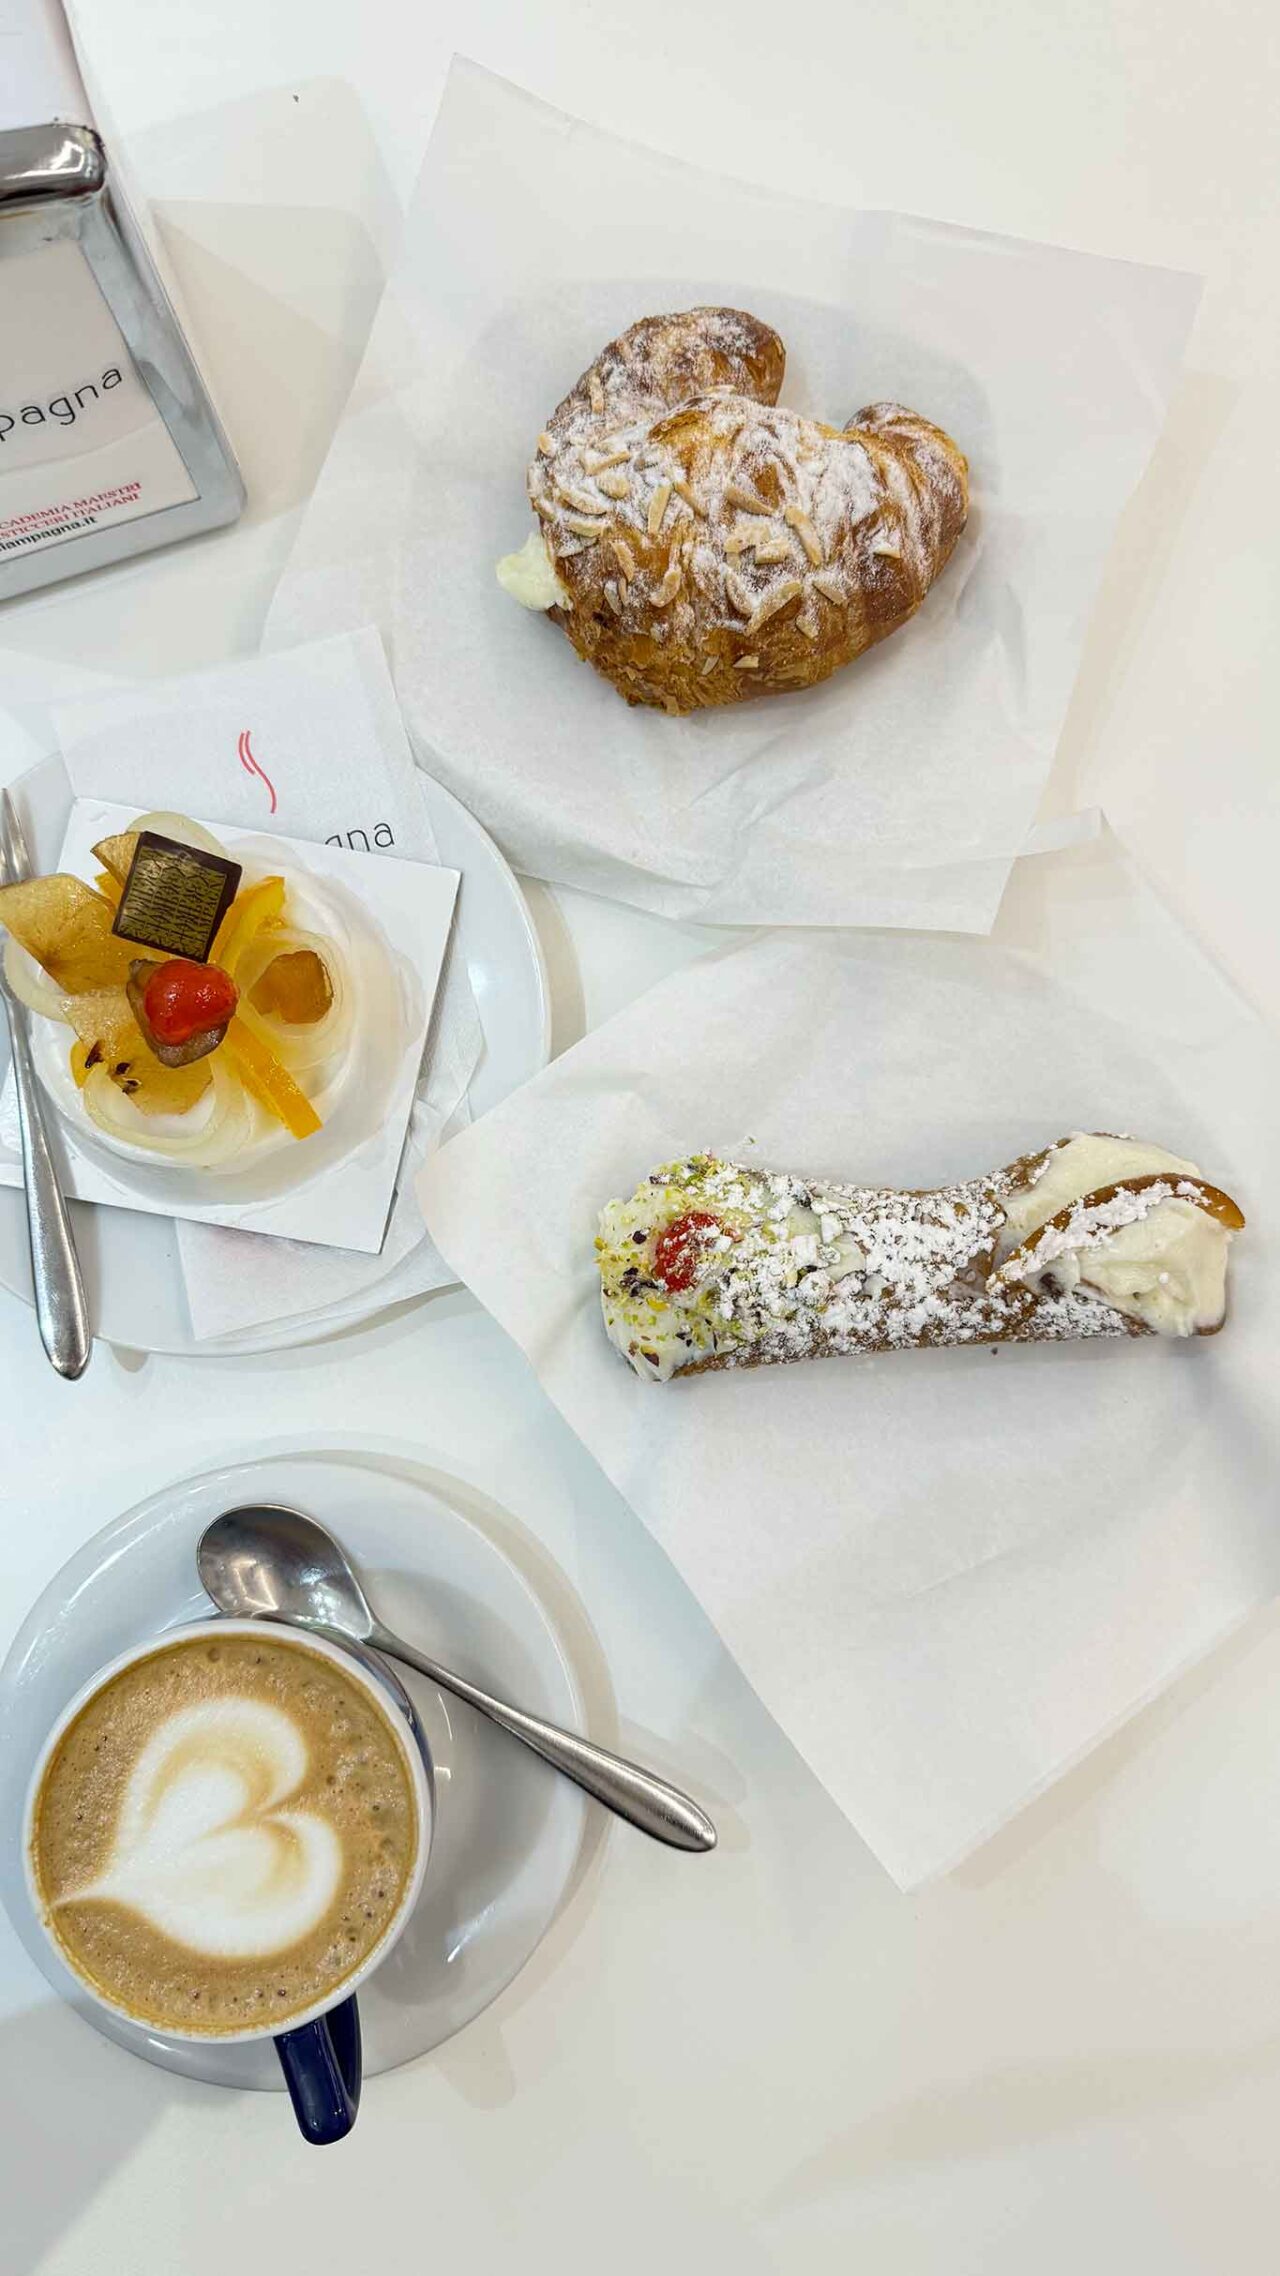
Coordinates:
[223,1834]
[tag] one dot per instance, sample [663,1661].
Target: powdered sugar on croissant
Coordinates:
[702,544]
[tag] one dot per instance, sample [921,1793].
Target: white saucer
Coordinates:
[132,1274]
[507,1831]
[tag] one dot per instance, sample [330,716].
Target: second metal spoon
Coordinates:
[275,1564]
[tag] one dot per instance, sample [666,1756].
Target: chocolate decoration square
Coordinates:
[175,897]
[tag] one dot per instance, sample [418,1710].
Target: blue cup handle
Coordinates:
[322,2070]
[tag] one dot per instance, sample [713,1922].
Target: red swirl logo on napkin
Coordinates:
[251,766]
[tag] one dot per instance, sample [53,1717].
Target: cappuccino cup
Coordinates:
[225,1834]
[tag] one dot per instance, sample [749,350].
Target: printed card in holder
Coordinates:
[109,444]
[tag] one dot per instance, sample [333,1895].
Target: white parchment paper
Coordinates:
[897,793]
[947,1573]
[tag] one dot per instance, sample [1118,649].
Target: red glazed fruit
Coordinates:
[182,999]
[681,1247]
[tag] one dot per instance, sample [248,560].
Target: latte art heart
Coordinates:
[203,1848]
[224,1832]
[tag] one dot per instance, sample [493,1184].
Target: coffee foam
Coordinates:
[201,1847]
[223,1833]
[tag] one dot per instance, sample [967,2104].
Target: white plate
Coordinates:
[133,1277]
[507,1831]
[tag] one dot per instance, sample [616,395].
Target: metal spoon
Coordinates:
[275,1564]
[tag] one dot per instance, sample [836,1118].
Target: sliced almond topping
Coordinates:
[581,501]
[826,582]
[683,490]
[658,504]
[544,507]
[707,665]
[737,495]
[596,392]
[598,461]
[613,596]
[773,546]
[546,443]
[807,623]
[669,587]
[624,557]
[614,485]
[807,535]
[747,664]
[788,589]
[739,597]
[581,527]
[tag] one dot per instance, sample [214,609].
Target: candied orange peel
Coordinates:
[269,1080]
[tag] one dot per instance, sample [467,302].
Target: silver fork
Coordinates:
[55,1268]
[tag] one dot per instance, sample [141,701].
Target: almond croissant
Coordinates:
[699,543]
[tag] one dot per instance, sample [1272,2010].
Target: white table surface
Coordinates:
[1068,2055]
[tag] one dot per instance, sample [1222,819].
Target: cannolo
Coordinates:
[713,1264]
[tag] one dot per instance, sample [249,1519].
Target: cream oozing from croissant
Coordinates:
[530,577]
[713,1264]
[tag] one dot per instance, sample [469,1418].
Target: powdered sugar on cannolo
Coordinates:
[717,1264]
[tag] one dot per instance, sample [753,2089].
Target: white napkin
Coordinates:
[326,759]
[900,791]
[947,1573]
